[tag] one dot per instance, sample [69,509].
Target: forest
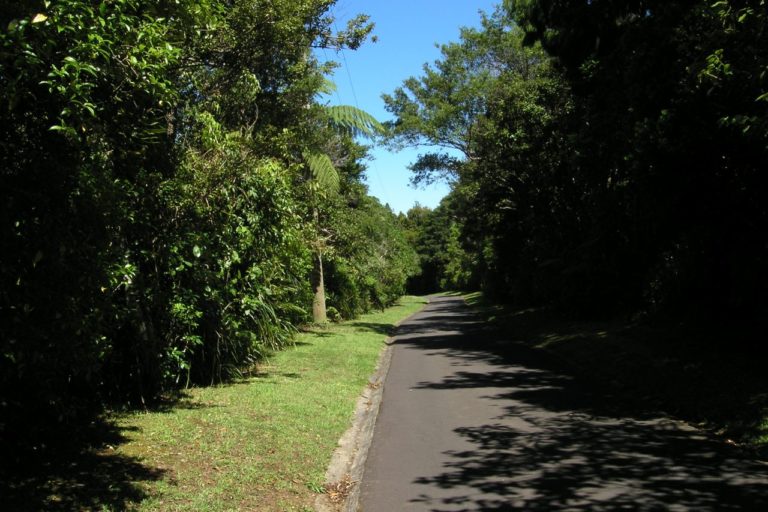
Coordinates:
[605,158]
[177,199]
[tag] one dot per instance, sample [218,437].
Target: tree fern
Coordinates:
[346,120]
[327,87]
[354,121]
[322,170]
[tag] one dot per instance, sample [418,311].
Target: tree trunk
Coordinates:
[318,286]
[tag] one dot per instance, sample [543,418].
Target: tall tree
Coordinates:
[441,107]
[343,121]
[671,102]
[152,216]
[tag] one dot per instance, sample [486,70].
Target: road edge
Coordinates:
[347,464]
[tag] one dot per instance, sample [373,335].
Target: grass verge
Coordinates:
[705,381]
[263,443]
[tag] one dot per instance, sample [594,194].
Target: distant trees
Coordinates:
[612,153]
[371,258]
[444,264]
[156,196]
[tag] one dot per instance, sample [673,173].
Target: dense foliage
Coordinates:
[611,154]
[444,263]
[160,197]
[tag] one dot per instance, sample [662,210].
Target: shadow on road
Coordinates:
[559,443]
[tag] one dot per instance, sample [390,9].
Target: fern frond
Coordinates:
[353,120]
[322,170]
[327,87]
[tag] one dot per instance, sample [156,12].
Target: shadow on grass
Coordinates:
[69,473]
[263,375]
[378,328]
[170,402]
[693,374]
[77,465]
[315,331]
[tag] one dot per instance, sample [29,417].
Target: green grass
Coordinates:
[684,373]
[264,443]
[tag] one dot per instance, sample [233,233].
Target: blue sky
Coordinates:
[407,32]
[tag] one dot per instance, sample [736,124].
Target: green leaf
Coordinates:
[322,170]
[353,120]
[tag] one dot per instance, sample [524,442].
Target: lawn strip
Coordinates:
[263,443]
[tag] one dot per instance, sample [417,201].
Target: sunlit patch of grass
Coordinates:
[474,298]
[762,438]
[263,443]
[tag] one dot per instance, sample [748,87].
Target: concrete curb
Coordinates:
[348,460]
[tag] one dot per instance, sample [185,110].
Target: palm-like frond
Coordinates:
[327,87]
[344,119]
[323,171]
[353,120]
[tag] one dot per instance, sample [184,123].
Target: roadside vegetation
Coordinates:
[262,442]
[687,374]
[606,163]
[176,201]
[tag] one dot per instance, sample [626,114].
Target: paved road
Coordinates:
[469,422]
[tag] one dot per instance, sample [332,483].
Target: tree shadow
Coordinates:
[77,465]
[263,375]
[165,403]
[69,473]
[316,330]
[378,328]
[561,442]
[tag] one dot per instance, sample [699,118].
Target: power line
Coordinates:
[357,105]
[335,89]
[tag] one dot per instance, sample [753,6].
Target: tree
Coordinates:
[156,158]
[617,171]
[669,97]
[500,103]
[343,121]
[86,89]
[441,108]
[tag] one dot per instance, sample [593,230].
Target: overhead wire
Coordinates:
[357,105]
[335,89]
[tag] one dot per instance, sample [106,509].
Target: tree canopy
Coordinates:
[611,154]
[160,207]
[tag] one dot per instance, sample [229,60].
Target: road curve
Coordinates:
[471,422]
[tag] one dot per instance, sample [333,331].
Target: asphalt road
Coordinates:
[472,422]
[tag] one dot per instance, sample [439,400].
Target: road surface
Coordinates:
[470,422]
